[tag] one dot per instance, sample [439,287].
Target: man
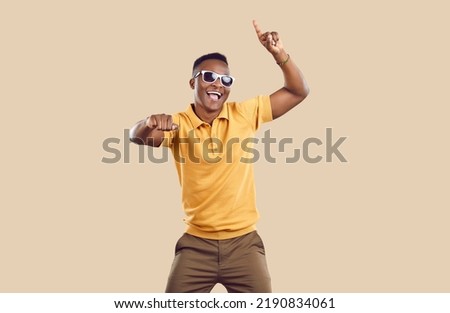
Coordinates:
[210,143]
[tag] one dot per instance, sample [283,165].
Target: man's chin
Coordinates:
[214,105]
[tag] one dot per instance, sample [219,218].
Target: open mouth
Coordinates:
[214,95]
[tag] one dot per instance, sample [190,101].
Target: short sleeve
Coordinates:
[257,110]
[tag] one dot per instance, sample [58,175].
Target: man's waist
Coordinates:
[219,234]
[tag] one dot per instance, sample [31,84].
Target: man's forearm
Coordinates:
[294,81]
[295,88]
[141,134]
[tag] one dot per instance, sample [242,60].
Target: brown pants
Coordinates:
[239,264]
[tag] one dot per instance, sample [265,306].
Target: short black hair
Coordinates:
[209,56]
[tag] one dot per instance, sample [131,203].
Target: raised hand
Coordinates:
[270,40]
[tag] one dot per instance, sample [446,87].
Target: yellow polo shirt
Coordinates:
[215,167]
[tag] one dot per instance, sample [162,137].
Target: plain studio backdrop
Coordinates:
[76,73]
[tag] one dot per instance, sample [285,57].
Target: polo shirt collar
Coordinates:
[196,121]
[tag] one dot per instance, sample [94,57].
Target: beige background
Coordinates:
[74,73]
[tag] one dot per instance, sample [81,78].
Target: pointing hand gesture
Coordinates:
[270,40]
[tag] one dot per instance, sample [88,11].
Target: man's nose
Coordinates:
[217,82]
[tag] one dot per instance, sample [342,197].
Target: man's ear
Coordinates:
[192,83]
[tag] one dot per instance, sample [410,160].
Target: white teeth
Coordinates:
[214,92]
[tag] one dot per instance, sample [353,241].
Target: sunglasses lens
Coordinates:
[209,77]
[227,81]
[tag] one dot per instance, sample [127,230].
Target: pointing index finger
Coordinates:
[257,29]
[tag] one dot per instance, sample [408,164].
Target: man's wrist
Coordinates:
[282,58]
[285,61]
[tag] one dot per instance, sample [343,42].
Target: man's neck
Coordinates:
[205,116]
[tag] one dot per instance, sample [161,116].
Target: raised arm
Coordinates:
[295,88]
[151,130]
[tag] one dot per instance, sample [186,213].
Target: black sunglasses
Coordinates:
[210,77]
